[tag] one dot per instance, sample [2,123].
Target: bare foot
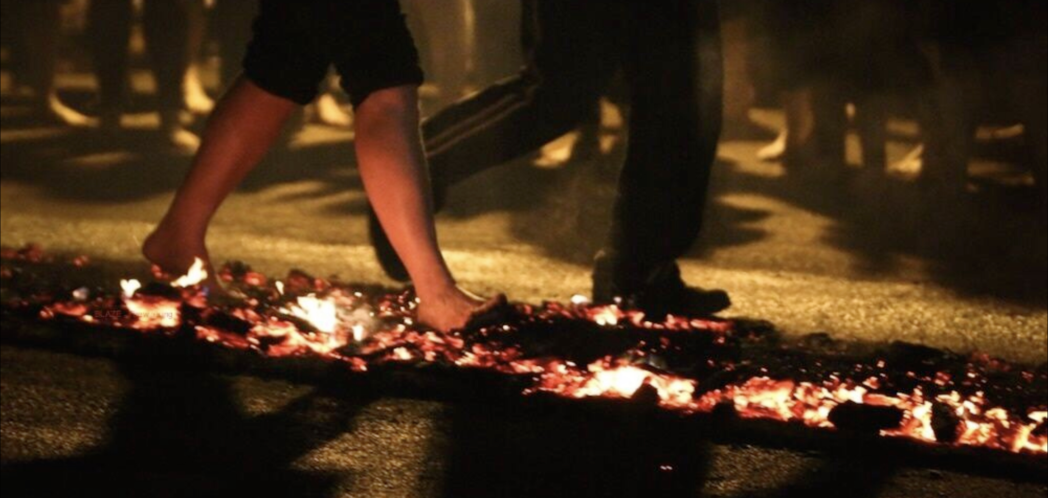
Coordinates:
[911,165]
[175,254]
[197,100]
[455,309]
[774,151]
[328,112]
[57,110]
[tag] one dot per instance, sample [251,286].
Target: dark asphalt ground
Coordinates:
[73,424]
[859,256]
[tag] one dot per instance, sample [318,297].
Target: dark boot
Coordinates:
[660,293]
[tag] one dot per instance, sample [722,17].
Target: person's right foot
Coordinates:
[175,255]
[457,309]
[56,110]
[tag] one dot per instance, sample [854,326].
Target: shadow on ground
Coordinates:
[989,244]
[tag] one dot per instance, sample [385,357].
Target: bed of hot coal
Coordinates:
[739,380]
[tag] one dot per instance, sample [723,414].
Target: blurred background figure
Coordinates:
[173,35]
[989,67]
[33,30]
[837,63]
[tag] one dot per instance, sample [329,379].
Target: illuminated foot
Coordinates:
[457,309]
[56,110]
[175,255]
[774,151]
[329,112]
[197,100]
[912,164]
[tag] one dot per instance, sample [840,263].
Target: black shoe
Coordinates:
[662,293]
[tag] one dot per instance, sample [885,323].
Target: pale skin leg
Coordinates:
[245,125]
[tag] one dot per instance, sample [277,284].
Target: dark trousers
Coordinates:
[669,51]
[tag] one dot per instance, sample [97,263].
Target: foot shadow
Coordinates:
[514,452]
[180,433]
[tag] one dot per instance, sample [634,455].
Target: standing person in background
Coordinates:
[197,101]
[670,53]
[36,27]
[988,65]
[168,28]
[827,54]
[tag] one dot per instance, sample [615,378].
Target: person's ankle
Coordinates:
[172,229]
[436,291]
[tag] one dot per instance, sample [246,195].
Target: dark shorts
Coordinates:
[296,42]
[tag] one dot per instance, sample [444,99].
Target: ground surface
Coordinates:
[861,257]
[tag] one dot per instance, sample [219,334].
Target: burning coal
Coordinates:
[574,351]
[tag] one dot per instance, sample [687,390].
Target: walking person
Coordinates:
[670,52]
[295,42]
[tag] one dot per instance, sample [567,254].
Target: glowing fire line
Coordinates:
[341,319]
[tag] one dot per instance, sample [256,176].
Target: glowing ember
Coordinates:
[607,379]
[363,331]
[196,275]
[607,316]
[155,312]
[130,287]
[322,314]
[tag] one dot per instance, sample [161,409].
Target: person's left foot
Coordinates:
[775,151]
[663,292]
[57,111]
[328,112]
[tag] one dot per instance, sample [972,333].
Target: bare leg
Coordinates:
[830,128]
[246,123]
[392,165]
[167,28]
[41,32]
[871,121]
[110,22]
[197,100]
[800,126]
